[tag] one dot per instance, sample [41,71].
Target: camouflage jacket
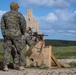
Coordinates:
[13,24]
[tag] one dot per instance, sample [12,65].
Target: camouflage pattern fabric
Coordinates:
[29,31]
[27,39]
[13,25]
[18,55]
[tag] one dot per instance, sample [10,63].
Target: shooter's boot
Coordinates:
[5,68]
[22,68]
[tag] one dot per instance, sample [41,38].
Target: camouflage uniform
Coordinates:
[13,25]
[29,31]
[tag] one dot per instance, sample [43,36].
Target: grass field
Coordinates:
[64,52]
[61,49]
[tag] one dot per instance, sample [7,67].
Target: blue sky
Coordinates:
[56,18]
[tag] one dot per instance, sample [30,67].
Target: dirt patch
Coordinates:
[55,71]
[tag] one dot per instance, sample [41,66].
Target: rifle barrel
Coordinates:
[39,35]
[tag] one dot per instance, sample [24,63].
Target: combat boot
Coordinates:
[22,68]
[5,68]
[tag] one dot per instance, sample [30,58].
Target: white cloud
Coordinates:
[1,13]
[59,23]
[48,3]
[51,17]
[72,31]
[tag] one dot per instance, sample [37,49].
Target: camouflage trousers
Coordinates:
[13,46]
[27,39]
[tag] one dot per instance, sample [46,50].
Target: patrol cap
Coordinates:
[14,6]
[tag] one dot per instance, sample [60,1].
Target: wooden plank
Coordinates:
[47,50]
[56,61]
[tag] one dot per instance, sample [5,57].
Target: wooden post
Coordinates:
[55,61]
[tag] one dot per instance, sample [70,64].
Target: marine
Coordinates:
[13,26]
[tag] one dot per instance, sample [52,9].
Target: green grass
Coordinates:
[64,52]
[1,56]
[1,47]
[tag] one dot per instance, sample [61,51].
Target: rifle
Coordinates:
[39,36]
